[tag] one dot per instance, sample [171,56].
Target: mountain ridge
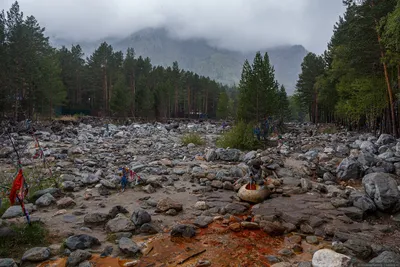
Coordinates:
[197,55]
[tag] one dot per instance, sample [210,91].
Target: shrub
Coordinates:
[25,237]
[193,138]
[240,136]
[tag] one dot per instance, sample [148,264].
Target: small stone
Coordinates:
[55,249]
[295,239]
[286,252]
[171,212]
[297,248]
[307,229]
[282,264]
[203,263]
[149,189]
[312,240]
[66,202]
[250,225]
[203,221]
[236,227]
[201,205]
[95,218]
[273,259]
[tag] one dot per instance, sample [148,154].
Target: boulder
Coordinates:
[330,258]
[120,224]
[167,204]
[348,169]
[183,230]
[382,189]
[81,242]
[128,247]
[140,217]
[77,257]
[37,254]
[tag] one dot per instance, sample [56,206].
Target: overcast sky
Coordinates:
[233,24]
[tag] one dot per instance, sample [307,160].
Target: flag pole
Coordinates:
[21,201]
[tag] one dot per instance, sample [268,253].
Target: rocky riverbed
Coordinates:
[335,198]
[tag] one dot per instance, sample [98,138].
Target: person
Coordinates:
[280,140]
[223,126]
[256,173]
[266,128]
[124,179]
[257,132]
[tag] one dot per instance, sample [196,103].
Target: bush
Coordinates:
[240,136]
[25,237]
[193,138]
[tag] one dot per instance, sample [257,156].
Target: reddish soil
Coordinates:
[217,244]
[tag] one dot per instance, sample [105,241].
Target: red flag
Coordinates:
[17,185]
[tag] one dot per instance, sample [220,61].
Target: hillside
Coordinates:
[198,56]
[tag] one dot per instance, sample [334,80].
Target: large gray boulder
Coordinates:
[330,258]
[387,257]
[348,169]
[228,154]
[385,139]
[382,189]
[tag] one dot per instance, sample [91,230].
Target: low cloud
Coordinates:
[242,25]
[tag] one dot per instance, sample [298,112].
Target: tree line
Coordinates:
[36,79]
[356,80]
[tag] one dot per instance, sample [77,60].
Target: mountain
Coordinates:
[198,56]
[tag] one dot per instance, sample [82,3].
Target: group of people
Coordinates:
[265,128]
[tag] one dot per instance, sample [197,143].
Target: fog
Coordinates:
[242,25]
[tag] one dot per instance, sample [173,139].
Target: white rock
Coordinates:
[330,258]
[201,205]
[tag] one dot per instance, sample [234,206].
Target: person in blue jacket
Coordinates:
[257,132]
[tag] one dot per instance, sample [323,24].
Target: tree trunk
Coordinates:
[389,87]
[105,89]
[176,102]
[316,107]
[188,96]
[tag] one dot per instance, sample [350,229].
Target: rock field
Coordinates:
[335,198]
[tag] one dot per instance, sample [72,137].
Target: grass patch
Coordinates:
[240,136]
[25,237]
[67,118]
[329,130]
[193,138]
[5,204]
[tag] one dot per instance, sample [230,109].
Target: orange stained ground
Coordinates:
[217,244]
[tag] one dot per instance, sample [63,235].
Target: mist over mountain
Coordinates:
[199,56]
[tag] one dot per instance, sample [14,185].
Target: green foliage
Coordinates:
[121,99]
[5,204]
[193,138]
[312,67]
[240,136]
[348,83]
[259,93]
[35,79]
[25,237]
[297,110]
[223,105]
